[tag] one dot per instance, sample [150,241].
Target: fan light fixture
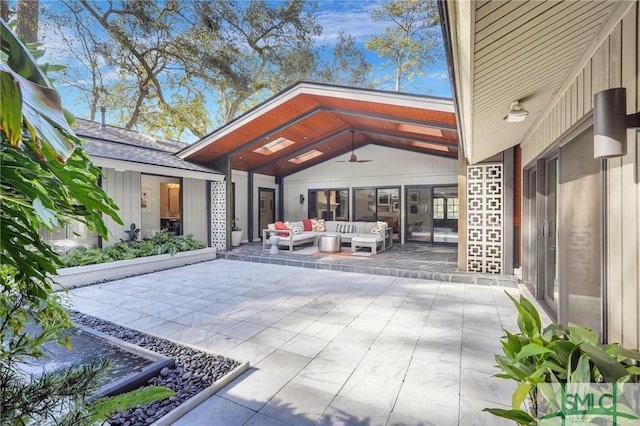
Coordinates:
[516,113]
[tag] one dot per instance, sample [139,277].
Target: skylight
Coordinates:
[432,146]
[423,130]
[274,146]
[305,157]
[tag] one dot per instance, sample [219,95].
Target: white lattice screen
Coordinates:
[219,215]
[484,218]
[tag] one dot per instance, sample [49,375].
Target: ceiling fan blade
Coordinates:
[364,161]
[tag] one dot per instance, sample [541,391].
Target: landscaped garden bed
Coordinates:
[195,377]
[122,260]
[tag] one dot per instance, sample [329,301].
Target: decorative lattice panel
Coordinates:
[484,218]
[219,215]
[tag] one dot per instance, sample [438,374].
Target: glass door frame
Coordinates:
[327,191]
[430,189]
[375,189]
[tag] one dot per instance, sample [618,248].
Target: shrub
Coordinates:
[161,243]
[546,362]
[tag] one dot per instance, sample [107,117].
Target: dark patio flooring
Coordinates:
[411,260]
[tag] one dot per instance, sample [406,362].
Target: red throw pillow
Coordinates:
[281,226]
[307,225]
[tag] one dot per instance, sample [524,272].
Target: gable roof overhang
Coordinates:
[502,51]
[321,117]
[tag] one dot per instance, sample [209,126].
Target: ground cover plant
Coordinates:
[560,369]
[161,243]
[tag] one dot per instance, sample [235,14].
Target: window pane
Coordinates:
[365,204]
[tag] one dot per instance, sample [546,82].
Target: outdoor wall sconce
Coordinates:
[516,113]
[611,123]
[301,199]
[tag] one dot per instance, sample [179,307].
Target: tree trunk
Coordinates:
[27,26]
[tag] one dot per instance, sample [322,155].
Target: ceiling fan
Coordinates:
[353,158]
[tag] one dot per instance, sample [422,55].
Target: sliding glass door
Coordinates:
[432,214]
[329,204]
[378,204]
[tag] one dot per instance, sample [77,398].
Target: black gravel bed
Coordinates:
[194,371]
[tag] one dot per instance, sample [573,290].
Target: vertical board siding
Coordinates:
[195,209]
[124,189]
[389,168]
[615,63]
[630,224]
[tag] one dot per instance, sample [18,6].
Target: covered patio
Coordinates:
[340,153]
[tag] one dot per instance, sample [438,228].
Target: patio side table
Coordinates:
[274,240]
[329,243]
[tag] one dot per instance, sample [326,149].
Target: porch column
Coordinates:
[250,206]
[462,211]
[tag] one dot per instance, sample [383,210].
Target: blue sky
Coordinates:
[351,16]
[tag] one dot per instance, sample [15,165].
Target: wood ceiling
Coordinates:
[322,117]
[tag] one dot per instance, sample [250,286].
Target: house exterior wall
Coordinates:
[195,211]
[615,63]
[124,189]
[390,167]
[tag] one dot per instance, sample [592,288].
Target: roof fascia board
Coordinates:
[158,170]
[462,25]
[620,10]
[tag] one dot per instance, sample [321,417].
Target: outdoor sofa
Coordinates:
[295,233]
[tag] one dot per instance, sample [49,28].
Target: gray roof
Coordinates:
[129,145]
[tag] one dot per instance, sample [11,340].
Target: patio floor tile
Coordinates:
[297,404]
[283,363]
[326,347]
[346,412]
[216,411]
[378,391]
[253,389]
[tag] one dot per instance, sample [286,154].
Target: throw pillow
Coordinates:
[381,225]
[307,224]
[319,225]
[281,226]
[376,231]
[296,230]
[288,225]
[346,229]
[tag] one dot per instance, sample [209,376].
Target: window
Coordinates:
[438,208]
[452,208]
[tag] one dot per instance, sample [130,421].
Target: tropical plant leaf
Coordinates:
[518,416]
[610,369]
[520,394]
[532,349]
[579,334]
[10,107]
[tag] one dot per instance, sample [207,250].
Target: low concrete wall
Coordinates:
[78,276]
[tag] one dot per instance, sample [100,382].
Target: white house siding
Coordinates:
[194,209]
[615,63]
[124,189]
[390,167]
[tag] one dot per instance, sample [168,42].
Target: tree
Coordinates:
[346,65]
[409,44]
[45,179]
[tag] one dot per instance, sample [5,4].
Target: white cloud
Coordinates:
[438,75]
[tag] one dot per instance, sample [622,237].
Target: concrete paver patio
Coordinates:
[326,347]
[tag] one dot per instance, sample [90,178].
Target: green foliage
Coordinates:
[556,355]
[104,408]
[57,395]
[161,243]
[235,225]
[409,43]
